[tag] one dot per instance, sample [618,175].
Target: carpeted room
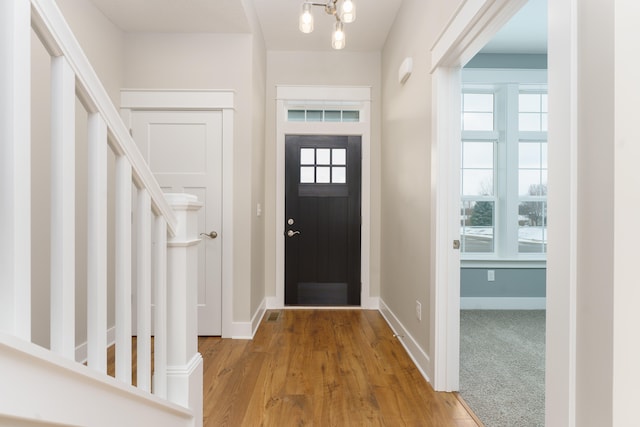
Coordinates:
[502,351]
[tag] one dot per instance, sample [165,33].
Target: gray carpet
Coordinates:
[502,366]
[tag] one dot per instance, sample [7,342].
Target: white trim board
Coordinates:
[415,352]
[471,27]
[503,303]
[331,95]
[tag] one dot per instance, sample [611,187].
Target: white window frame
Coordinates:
[506,85]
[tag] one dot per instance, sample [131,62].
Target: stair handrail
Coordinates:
[54,32]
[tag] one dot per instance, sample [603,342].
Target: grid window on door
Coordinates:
[323,165]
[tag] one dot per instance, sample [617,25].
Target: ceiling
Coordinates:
[525,33]
[278,19]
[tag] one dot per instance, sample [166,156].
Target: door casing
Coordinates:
[201,100]
[298,95]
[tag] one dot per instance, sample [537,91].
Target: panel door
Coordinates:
[323,219]
[184,151]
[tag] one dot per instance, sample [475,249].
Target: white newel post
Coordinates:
[184,363]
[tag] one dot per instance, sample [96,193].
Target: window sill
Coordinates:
[504,263]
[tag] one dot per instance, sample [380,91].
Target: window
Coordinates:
[323,115]
[323,165]
[503,173]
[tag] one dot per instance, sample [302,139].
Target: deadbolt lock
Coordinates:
[456,244]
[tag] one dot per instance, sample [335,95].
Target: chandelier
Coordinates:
[345,13]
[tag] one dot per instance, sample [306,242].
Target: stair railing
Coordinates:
[164,227]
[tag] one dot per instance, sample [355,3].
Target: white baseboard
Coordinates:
[246,330]
[257,317]
[417,354]
[370,303]
[481,303]
[273,303]
[82,351]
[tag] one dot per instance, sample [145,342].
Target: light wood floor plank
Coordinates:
[321,368]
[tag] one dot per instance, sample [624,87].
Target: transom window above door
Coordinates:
[323,165]
[323,115]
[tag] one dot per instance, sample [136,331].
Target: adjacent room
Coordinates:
[503,223]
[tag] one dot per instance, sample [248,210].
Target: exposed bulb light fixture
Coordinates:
[338,38]
[306,19]
[347,12]
[344,13]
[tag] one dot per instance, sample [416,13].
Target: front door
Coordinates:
[322,230]
[184,151]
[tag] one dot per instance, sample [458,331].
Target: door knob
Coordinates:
[292,233]
[211,235]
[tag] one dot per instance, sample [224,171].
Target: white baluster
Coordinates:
[15,164]
[123,269]
[97,245]
[143,272]
[160,326]
[63,184]
[184,380]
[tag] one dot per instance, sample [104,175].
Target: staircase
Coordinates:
[155,254]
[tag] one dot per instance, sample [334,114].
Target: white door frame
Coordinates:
[200,100]
[471,27]
[324,96]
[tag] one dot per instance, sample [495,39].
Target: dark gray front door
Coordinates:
[322,229]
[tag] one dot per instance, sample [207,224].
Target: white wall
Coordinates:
[626,318]
[592,318]
[406,160]
[259,76]
[215,61]
[595,228]
[328,68]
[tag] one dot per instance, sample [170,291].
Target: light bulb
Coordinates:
[338,38]
[306,19]
[347,11]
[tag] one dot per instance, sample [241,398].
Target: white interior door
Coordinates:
[184,151]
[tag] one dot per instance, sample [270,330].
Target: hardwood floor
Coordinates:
[320,368]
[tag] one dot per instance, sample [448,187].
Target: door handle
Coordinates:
[292,233]
[211,235]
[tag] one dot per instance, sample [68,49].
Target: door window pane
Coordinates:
[323,175]
[307,156]
[323,156]
[339,175]
[339,156]
[307,175]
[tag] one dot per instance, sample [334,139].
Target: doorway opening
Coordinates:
[503,222]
